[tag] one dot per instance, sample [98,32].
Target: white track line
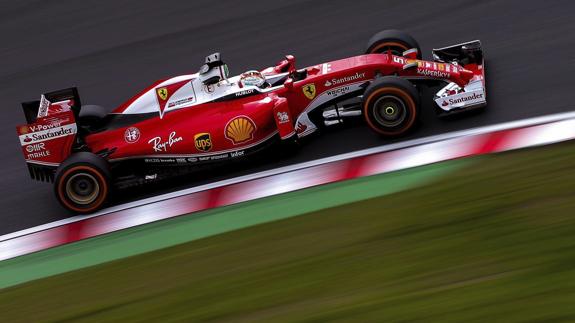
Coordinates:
[285,169]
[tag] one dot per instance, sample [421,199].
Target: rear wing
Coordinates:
[69,96]
[49,135]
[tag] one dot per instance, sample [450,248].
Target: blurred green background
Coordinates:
[492,241]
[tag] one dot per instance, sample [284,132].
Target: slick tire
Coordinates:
[391,106]
[82,183]
[396,41]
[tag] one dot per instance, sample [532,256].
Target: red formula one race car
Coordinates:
[205,118]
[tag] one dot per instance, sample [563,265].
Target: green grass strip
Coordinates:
[204,224]
[490,242]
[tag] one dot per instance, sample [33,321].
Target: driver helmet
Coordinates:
[253,77]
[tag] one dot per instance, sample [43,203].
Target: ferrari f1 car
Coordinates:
[208,117]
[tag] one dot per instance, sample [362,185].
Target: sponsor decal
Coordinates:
[61,106]
[309,91]
[465,99]
[160,145]
[37,151]
[191,160]
[401,60]
[160,160]
[132,135]
[35,147]
[44,105]
[338,91]
[162,93]
[244,92]
[40,154]
[404,61]
[345,79]
[181,102]
[398,60]
[203,141]
[166,93]
[240,129]
[48,134]
[151,177]
[432,73]
[50,123]
[283,117]
[40,127]
[214,157]
[325,68]
[460,100]
[22,130]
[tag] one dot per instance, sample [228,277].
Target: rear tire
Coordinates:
[396,41]
[391,106]
[82,183]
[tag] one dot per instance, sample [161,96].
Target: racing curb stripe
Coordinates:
[514,135]
[178,230]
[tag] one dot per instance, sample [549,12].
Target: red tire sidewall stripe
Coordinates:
[394,91]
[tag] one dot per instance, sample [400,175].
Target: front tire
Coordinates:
[82,183]
[396,41]
[391,106]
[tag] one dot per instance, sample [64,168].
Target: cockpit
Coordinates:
[215,71]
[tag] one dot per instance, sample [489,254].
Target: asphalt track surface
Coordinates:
[112,49]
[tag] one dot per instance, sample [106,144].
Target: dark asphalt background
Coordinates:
[112,49]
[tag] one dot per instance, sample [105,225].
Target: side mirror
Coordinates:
[291,63]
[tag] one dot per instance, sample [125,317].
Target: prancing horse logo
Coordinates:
[309,90]
[162,93]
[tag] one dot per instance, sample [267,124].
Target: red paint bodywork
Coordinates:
[172,135]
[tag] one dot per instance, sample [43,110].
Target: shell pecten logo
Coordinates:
[240,129]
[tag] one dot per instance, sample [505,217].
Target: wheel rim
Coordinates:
[82,188]
[389,111]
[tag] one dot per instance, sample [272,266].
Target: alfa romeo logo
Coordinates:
[132,135]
